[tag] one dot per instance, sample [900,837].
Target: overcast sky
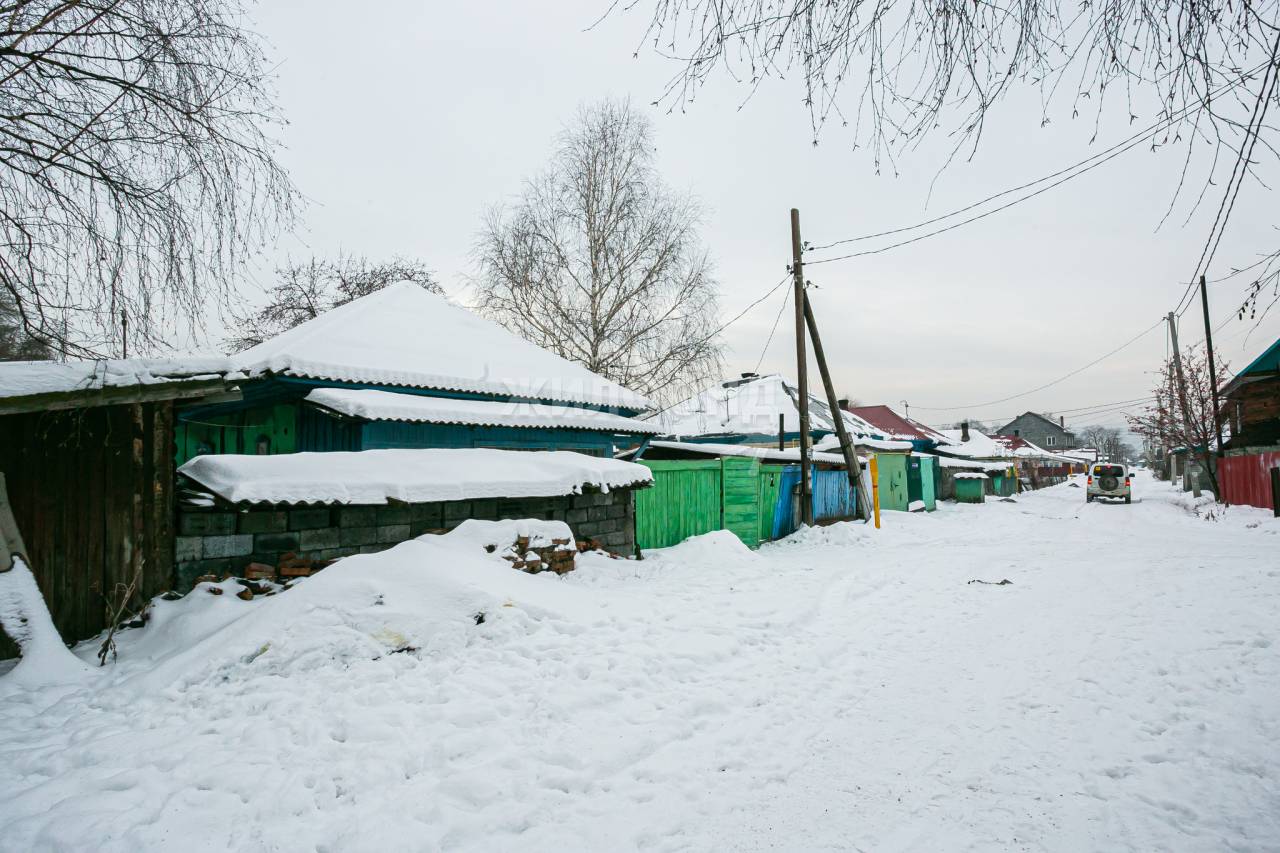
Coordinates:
[405,125]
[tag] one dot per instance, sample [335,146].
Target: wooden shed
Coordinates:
[87,452]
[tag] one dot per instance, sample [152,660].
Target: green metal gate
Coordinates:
[893,481]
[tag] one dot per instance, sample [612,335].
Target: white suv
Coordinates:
[1108,480]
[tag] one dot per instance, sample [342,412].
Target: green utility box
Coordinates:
[971,489]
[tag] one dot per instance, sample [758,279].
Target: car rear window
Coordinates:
[1108,471]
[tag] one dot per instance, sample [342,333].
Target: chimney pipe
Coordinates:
[964,431]
[843,403]
[1062,422]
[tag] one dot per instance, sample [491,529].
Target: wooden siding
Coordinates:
[383,434]
[741,490]
[684,501]
[242,430]
[92,492]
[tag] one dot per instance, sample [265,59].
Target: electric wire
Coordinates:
[786,299]
[1050,384]
[1074,170]
[1239,171]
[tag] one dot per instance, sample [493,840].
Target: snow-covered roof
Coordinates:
[376,405]
[408,476]
[32,378]
[972,464]
[979,445]
[749,406]
[890,424]
[832,442]
[971,475]
[1020,447]
[402,335]
[767,454]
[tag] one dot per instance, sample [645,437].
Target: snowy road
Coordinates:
[845,690]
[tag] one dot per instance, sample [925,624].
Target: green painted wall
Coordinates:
[262,430]
[928,492]
[893,481]
[971,491]
[742,498]
[770,482]
[684,501]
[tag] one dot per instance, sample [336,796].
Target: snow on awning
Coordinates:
[25,378]
[28,386]
[765,454]
[971,475]
[390,406]
[972,464]
[408,476]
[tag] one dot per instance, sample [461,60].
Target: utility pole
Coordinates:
[851,464]
[1187,435]
[906,410]
[124,333]
[802,372]
[1213,367]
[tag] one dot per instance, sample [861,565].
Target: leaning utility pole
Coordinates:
[802,373]
[1182,382]
[851,464]
[1213,368]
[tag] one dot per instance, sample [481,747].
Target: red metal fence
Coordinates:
[1247,479]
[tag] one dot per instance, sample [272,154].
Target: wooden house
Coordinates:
[404,372]
[404,368]
[1249,470]
[87,452]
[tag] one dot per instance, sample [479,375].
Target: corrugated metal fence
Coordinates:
[1247,479]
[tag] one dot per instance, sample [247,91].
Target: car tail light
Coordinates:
[1126,481]
[1090,483]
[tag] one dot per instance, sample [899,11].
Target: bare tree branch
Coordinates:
[600,262]
[136,174]
[307,290]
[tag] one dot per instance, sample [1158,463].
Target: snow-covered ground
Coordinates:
[847,689]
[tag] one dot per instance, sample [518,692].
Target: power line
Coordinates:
[786,298]
[1050,384]
[1072,171]
[1239,171]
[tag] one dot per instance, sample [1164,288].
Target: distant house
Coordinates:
[890,424]
[1040,430]
[1250,468]
[753,409]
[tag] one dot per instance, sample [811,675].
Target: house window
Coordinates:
[1051,440]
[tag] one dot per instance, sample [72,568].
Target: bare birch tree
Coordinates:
[601,263]
[136,173]
[307,290]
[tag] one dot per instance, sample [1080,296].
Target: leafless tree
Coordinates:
[1108,441]
[307,290]
[136,170]
[895,70]
[1166,422]
[601,263]
[15,343]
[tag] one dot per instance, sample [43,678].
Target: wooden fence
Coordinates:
[92,492]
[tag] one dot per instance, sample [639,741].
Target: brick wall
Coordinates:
[218,541]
